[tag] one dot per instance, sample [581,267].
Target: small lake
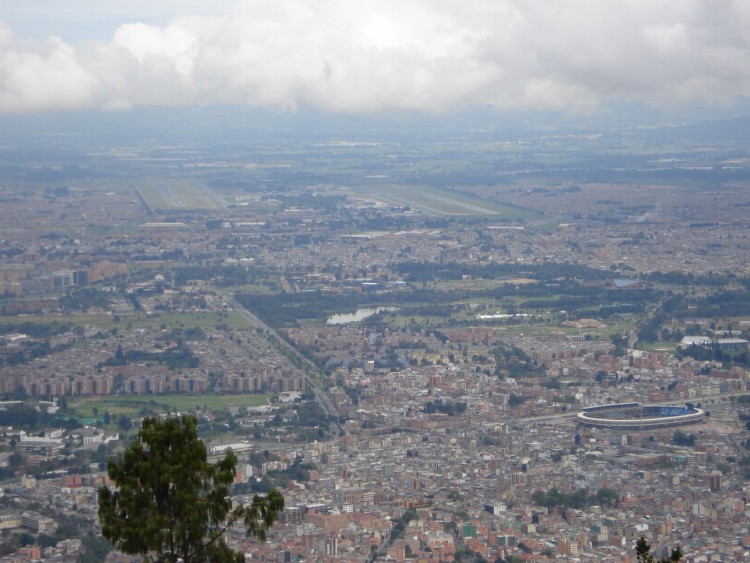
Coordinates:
[358,315]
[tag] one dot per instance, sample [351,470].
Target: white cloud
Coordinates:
[368,55]
[42,77]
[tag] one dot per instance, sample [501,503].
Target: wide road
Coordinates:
[321,397]
[632,334]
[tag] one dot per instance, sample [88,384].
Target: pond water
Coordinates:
[358,315]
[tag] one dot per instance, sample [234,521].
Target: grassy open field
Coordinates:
[542,330]
[135,405]
[441,202]
[662,346]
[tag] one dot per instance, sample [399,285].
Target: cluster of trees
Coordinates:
[429,271]
[715,353]
[398,529]
[37,330]
[687,279]
[176,358]
[564,289]
[445,406]
[680,438]
[567,293]
[516,400]
[309,414]
[30,350]
[123,421]
[723,304]
[286,309]
[84,299]
[514,362]
[652,329]
[577,499]
[744,465]
[643,553]
[575,296]
[297,471]
[28,418]
[11,251]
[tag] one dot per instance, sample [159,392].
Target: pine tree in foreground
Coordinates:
[170,504]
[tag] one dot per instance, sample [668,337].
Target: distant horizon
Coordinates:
[232,122]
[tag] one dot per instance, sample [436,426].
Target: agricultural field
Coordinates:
[441,202]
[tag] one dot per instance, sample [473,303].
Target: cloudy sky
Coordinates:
[365,56]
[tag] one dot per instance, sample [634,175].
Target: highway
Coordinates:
[321,397]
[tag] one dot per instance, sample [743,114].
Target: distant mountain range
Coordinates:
[734,130]
[221,124]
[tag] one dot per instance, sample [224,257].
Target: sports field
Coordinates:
[136,405]
[440,202]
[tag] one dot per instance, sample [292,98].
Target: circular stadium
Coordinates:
[634,416]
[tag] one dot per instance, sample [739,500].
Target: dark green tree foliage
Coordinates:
[643,553]
[456,271]
[723,304]
[178,357]
[37,330]
[85,299]
[679,438]
[169,503]
[714,352]
[400,526]
[445,406]
[95,549]
[124,423]
[515,400]
[28,418]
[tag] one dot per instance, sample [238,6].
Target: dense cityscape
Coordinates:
[313,281]
[406,366]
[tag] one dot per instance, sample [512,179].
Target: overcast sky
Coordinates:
[364,56]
